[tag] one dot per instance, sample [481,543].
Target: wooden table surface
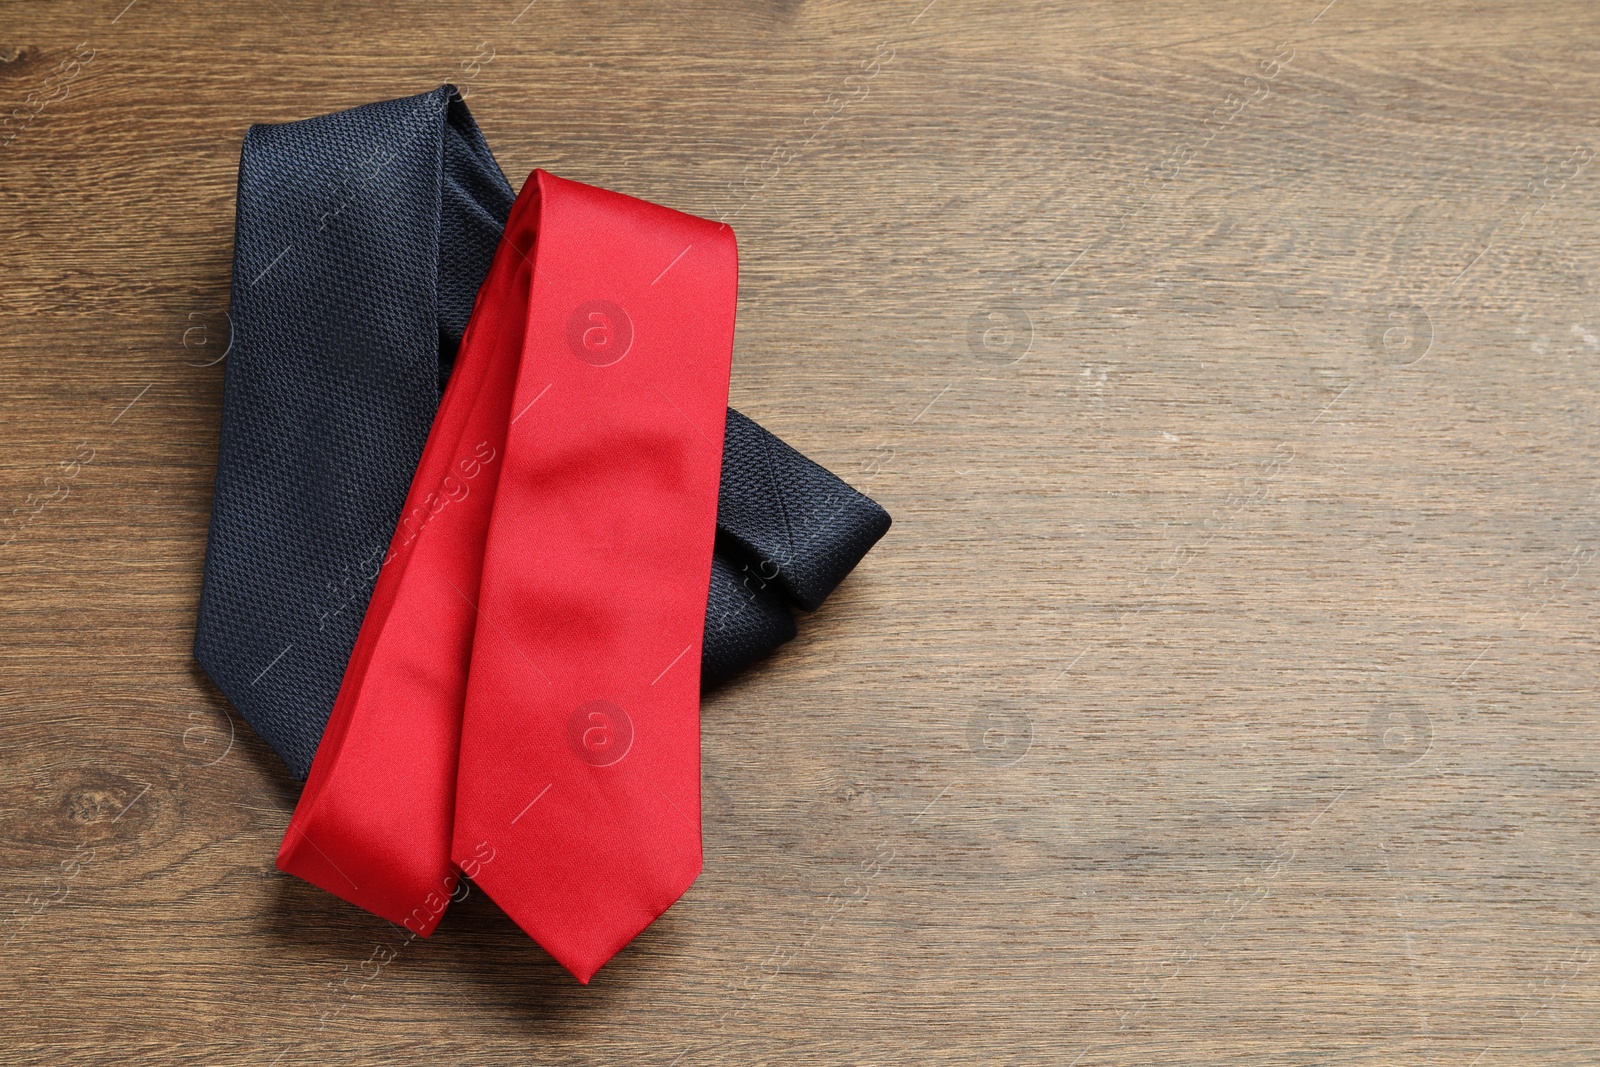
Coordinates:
[1224,693]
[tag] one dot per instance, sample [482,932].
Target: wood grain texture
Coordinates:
[1225,692]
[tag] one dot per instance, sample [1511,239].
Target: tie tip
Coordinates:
[581,969]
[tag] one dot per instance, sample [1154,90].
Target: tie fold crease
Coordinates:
[537,588]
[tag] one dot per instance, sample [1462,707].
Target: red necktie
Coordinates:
[523,700]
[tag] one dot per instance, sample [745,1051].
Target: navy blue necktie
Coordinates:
[361,240]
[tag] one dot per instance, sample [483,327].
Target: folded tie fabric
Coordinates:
[517,703]
[481,624]
[362,239]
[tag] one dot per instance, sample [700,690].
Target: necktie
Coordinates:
[553,588]
[362,238]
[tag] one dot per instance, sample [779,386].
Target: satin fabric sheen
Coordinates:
[523,698]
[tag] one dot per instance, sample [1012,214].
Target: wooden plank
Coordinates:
[1223,694]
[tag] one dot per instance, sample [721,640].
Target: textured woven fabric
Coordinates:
[339,307]
[802,528]
[744,619]
[361,240]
